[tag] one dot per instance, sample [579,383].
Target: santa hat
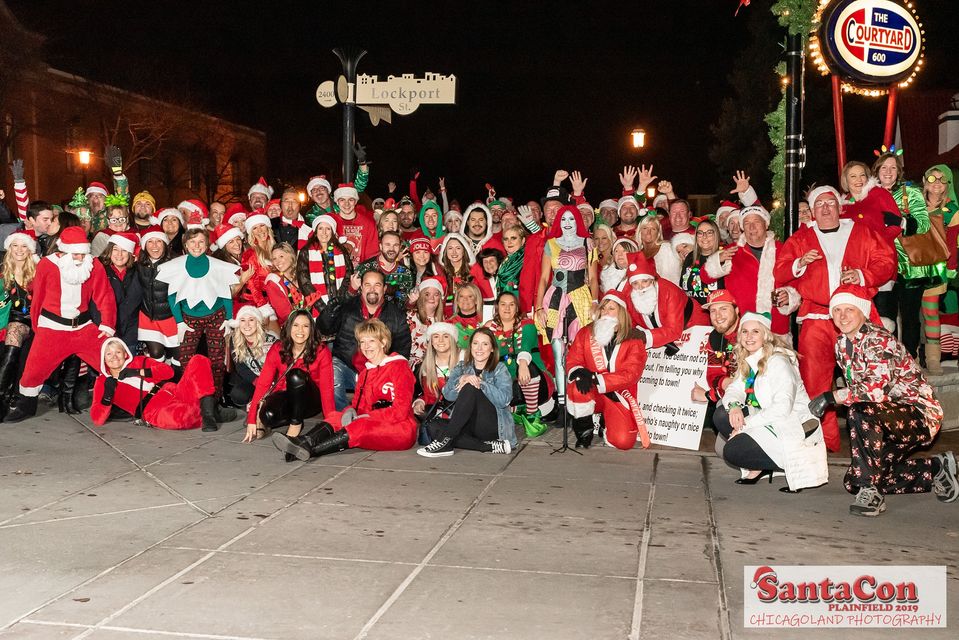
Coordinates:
[152,233]
[346,190]
[639,267]
[467,246]
[378,204]
[246,310]
[629,243]
[726,207]
[452,214]
[619,297]
[196,220]
[22,237]
[274,201]
[234,213]
[126,240]
[144,196]
[256,219]
[624,201]
[73,240]
[764,319]
[660,201]
[169,211]
[753,210]
[609,203]
[433,283]
[443,327]
[325,219]
[420,244]
[720,296]
[195,206]
[851,294]
[97,187]
[260,187]
[818,191]
[224,234]
[318,181]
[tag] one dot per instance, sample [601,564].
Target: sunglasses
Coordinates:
[934,179]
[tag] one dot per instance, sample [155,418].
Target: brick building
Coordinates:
[49,117]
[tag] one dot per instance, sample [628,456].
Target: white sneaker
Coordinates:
[946,483]
[869,503]
[500,446]
[437,449]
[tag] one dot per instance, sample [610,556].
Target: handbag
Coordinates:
[431,419]
[929,248]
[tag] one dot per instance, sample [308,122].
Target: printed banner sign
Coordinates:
[665,391]
[857,597]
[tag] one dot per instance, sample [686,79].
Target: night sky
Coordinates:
[541,85]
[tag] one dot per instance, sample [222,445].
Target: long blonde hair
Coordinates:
[772,345]
[242,350]
[263,253]
[428,369]
[10,270]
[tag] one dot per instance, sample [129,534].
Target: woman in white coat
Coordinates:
[765,414]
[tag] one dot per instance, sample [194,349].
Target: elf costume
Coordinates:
[521,344]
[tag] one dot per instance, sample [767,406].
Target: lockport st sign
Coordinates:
[405,93]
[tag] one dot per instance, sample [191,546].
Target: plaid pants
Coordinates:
[881,438]
[208,326]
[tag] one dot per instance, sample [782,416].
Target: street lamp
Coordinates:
[84,157]
[650,192]
[302,196]
[639,138]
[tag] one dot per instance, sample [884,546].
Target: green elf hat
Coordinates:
[947,174]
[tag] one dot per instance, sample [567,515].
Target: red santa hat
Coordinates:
[420,244]
[73,240]
[433,283]
[619,297]
[169,211]
[244,311]
[818,191]
[318,181]
[720,296]
[443,327]
[726,207]
[152,233]
[223,234]
[753,210]
[624,201]
[346,190]
[23,237]
[851,294]
[260,186]
[256,219]
[126,240]
[325,219]
[97,187]
[639,267]
[196,206]
[609,203]
[196,220]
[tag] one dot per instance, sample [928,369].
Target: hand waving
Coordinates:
[646,177]
[628,177]
[17,170]
[578,182]
[742,182]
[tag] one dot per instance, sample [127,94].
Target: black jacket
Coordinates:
[129,295]
[156,304]
[284,232]
[339,319]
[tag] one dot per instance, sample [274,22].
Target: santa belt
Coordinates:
[81,319]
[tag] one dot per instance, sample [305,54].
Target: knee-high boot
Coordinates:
[583,428]
[314,444]
[66,401]
[9,362]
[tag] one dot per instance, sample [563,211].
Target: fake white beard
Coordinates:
[645,300]
[73,273]
[604,329]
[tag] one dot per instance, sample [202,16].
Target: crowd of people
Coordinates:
[412,317]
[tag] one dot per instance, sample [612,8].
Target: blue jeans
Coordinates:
[344,379]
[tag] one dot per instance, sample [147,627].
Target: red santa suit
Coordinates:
[141,393]
[62,293]
[617,372]
[750,281]
[254,291]
[674,312]
[393,427]
[853,245]
[877,208]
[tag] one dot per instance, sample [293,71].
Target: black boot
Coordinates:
[208,413]
[9,362]
[224,414]
[583,428]
[320,432]
[66,401]
[23,408]
[313,444]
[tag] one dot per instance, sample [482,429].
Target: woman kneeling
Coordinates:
[381,415]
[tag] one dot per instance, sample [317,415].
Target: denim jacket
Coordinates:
[498,389]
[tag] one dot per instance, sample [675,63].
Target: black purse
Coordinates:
[433,418]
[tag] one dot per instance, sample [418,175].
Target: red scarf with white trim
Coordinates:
[599,360]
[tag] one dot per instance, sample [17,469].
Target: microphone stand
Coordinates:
[559,345]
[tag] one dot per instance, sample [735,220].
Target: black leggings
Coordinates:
[300,400]
[741,451]
[473,422]
[910,309]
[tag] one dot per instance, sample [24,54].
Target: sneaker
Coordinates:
[946,483]
[869,503]
[437,449]
[500,446]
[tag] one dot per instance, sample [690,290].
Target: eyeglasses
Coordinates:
[934,179]
[825,203]
[116,220]
[705,233]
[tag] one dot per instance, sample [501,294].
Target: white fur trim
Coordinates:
[20,236]
[793,301]
[73,248]
[581,409]
[847,298]
[107,330]
[255,220]
[749,197]
[766,282]
[124,243]
[227,236]
[818,191]
[346,192]
[600,383]
[318,181]
[716,269]
[682,238]
[153,235]
[103,192]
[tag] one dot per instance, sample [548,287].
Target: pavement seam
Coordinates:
[724,627]
[173,634]
[66,497]
[450,531]
[637,621]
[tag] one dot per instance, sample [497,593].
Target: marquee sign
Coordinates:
[871,44]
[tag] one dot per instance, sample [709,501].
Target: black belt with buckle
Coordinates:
[73,323]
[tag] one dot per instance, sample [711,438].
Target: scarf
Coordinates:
[507,277]
[327,271]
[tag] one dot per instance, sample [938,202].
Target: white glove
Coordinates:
[181,330]
[226,328]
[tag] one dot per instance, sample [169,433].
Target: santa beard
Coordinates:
[72,272]
[645,299]
[604,329]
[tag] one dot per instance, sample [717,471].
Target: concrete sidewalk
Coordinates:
[129,532]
